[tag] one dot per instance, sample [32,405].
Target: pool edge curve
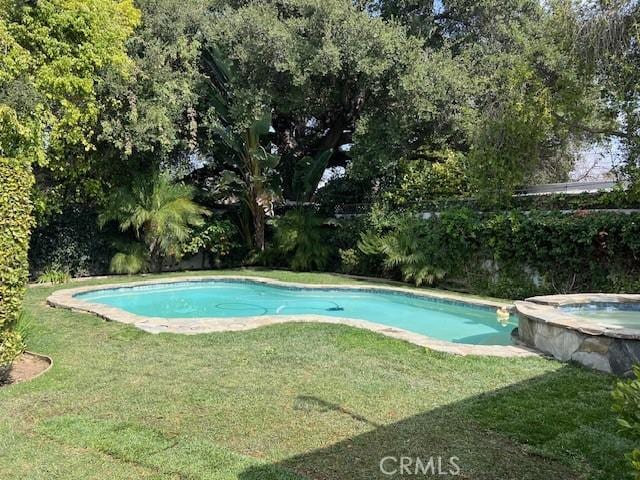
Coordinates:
[66,298]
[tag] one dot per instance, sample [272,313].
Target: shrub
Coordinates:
[71,239]
[513,254]
[405,247]
[54,274]
[131,258]
[216,239]
[343,236]
[626,403]
[349,260]
[16,180]
[299,239]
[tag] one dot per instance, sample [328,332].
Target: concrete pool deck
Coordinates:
[66,298]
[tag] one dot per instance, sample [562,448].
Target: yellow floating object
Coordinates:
[503,315]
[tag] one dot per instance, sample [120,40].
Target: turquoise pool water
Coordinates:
[444,320]
[624,315]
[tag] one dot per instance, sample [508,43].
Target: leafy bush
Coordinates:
[54,274]
[16,180]
[216,238]
[160,213]
[626,403]
[131,258]
[405,248]
[349,260]
[299,239]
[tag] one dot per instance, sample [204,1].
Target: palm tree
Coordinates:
[159,212]
[251,171]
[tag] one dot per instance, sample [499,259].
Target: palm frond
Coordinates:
[133,260]
[158,211]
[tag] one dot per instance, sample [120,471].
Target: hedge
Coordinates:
[616,199]
[72,242]
[16,180]
[518,254]
[521,254]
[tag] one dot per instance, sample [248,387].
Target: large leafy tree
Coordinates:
[607,35]
[52,53]
[73,48]
[332,75]
[144,119]
[151,116]
[522,99]
[528,96]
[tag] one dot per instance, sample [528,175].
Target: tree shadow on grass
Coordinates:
[548,427]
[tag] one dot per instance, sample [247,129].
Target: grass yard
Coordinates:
[292,401]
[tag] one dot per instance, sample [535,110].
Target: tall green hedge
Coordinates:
[16,179]
[71,241]
[518,254]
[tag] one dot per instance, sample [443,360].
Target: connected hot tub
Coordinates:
[600,331]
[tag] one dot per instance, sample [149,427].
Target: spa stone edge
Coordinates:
[544,326]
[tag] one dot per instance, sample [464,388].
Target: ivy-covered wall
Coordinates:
[72,242]
[535,253]
[16,180]
[516,254]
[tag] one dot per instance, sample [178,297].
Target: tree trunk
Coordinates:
[155,258]
[259,225]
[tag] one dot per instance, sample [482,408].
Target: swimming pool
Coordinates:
[446,320]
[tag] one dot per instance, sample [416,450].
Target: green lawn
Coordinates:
[292,401]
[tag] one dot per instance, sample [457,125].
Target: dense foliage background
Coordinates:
[53,53]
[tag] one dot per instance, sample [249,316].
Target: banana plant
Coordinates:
[252,176]
[308,173]
[250,172]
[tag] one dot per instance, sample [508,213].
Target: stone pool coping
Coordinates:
[545,309]
[65,298]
